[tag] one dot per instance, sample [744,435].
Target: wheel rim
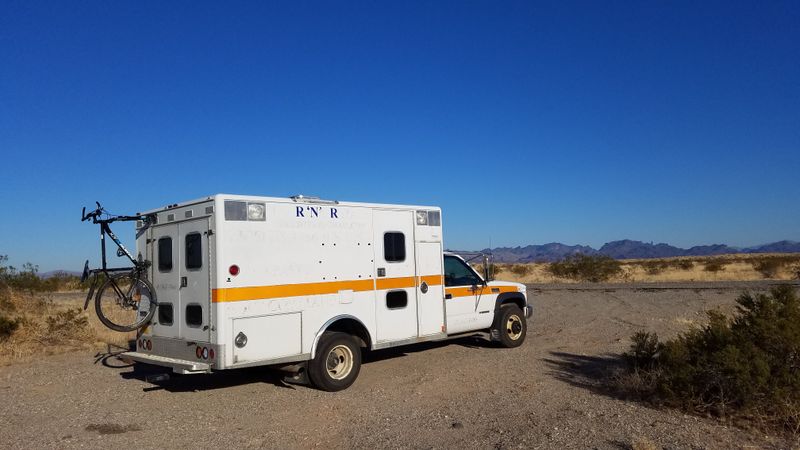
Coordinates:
[339,362]
[514,327]
[129,309]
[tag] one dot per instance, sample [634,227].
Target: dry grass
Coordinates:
[742,267]
[50,324]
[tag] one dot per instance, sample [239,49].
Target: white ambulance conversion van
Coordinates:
[247,281]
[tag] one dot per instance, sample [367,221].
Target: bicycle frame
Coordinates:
[105,229]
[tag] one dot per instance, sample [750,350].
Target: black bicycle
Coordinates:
[125,300]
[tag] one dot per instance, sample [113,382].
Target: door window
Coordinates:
[194,315]
[165,314]
[394,247]
[458,273]
[165,254]
[194,251]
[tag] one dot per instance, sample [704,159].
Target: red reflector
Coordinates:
[199,352]
[233,270]
[149,345]
[211,353]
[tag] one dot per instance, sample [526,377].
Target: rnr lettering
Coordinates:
[314,211]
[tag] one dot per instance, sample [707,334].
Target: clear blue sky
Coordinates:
[526,122]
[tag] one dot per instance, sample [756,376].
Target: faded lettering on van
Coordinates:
[313,212]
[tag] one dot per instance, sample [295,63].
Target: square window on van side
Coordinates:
[396,299]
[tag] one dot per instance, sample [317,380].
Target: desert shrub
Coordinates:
[747,366]
[768,267]
[795,270]
[67,324]
[684,264]
[494,269]
[580,267]
[7,327]
[520,269]
[714,265]
[655,267]
[644,348]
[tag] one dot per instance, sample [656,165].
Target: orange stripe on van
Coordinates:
[431,280]
[395,283]
[467,291]
[329,287]
[288,290]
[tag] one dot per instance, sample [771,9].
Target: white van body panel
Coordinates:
[304,266]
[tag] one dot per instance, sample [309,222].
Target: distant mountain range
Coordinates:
[628,249]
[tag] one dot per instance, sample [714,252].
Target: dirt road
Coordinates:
[460,393]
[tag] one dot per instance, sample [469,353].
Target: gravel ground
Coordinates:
[458,393]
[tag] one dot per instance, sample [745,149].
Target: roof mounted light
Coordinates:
[311,199]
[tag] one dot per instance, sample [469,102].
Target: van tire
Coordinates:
[510,326]
[337,362]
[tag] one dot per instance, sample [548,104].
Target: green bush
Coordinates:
[580,267]
[747,366]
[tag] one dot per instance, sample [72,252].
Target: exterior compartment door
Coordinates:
[430,288]
[395,276]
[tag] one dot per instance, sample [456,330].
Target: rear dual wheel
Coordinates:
[337,362]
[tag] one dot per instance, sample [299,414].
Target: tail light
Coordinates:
[198,352]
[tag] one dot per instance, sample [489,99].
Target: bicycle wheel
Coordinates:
[125,302]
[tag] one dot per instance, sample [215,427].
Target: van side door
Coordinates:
[395,275]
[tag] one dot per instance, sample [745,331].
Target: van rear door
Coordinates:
[181,279]
[194,294]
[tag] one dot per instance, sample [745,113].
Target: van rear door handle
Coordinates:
[448,296]
[184,282]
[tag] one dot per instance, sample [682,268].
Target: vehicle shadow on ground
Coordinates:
[593,373]
[154,375]
[472,341]
[236,377]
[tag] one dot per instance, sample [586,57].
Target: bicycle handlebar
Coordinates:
[100,211]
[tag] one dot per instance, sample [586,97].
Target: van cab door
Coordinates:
[463,291]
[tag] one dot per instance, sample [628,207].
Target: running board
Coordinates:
[181,366]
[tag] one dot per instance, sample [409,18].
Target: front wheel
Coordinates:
[337,362]
[125,302]
[510,326]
